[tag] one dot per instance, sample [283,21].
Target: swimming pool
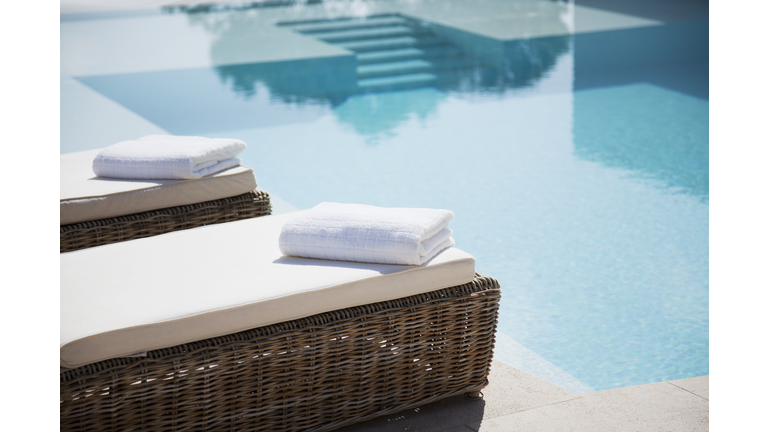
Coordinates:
[571,143]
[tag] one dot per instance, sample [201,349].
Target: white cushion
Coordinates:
[157,292]
[86,197]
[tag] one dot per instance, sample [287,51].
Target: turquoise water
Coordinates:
[577,168]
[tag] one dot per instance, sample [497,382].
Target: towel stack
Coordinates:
[157,157]
[355,232]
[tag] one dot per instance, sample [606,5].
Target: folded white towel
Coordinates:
[168,157]
[356,232]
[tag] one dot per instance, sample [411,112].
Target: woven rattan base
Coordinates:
[312,374]
[105,231]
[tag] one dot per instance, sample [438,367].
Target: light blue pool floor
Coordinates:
[584,191]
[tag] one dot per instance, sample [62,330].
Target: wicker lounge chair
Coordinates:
[317,344]
[96,211]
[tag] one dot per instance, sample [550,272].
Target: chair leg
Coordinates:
[474,395]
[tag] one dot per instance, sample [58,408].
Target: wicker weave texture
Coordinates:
[312,374]
[112,230]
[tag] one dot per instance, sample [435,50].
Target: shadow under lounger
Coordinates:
[400,337]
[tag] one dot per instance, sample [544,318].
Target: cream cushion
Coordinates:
[86,197]
[157,292]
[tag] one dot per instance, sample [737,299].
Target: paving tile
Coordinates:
[90,120]
[510,390]
[579,414]
[448,415]
[650,407]
[90,6]
[528,421]
[648,403]
[171,42]
[698,385]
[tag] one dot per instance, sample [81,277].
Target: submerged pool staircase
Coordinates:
[393,52]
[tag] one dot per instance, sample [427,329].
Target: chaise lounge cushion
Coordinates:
[158,292]
[85,197]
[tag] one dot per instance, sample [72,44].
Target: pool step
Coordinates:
[393,55]
[393,68]
[367,34]
[400,82]
[373,57]
[411,66]
[352,24]
[393,52]
[392,43]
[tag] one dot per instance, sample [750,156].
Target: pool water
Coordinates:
[576,163]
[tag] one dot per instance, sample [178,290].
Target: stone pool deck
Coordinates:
[516,401]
